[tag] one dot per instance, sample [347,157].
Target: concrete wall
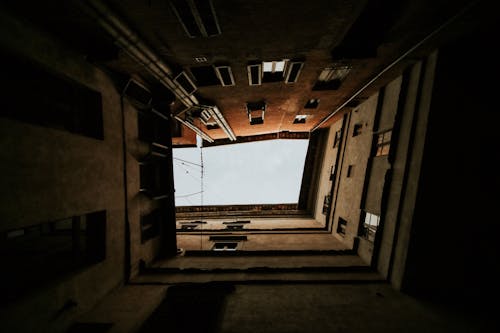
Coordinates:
[138,203]
[356,154]
[270,242]
[378,166]
[49,174]
[327,167]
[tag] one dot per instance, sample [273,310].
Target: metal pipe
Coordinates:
[216,114]
[395,62]
[133,45]
[195,129]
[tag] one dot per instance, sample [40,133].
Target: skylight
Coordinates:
[262,172]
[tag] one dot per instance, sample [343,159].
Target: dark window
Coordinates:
[153,128]
[300,119]
[225,246]
[235,226]
[207,15]
[357,130]
[336,140]
[40,254]
[254,74]
[176,128]
[185,82]
[331,78]
[256,121]
[154,180]
[197,20]
[350,170]
[34,95]
[255,111]
[150,225]
[225,75]
[186,17]
[293,73]
[212,126]
[341,226]
[332,172]
[370,226]
[383,143]
[137,94]
[205,76]
[312,103]
[326,204]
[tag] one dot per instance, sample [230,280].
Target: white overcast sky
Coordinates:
[246,173]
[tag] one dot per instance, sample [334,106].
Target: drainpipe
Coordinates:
[132,44]
[221,121]
[195,129]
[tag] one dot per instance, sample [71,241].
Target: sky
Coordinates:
[245,173]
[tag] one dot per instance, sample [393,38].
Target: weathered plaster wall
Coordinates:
[49,174]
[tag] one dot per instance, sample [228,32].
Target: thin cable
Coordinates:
[201,195]
[187,195]
[190,175]
[199,180]
[395,62]
[180,159]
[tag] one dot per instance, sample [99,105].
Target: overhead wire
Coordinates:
[180,159]
[201,195]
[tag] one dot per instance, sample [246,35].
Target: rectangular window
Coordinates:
[256,112]
[225,75]
[350,171]
[293,71]
[176,128]
[273,71]
[154,180]
[31,94]
[336,140]
[300,119]
[197,17]
[205,76]
[153,128]
[370,226]
[312,103]
[357,130]
[150,225]
[273,66]
[186,83]
[254,74]
[326,204]
[235,226]
[40,254]
[383,143]
[341,226]
[225,246]
[137,93]
[331,78]
[332,172]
